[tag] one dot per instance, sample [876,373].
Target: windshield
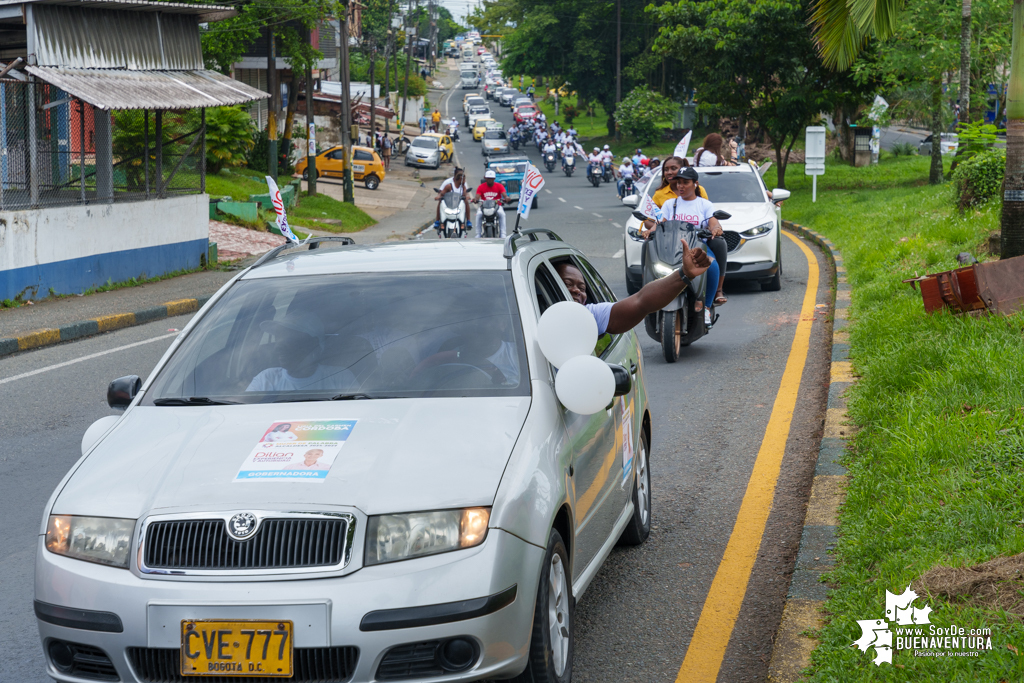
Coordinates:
[480,110]
[732,188]
[505,168]
[424,141]
[320,337]
[494,135]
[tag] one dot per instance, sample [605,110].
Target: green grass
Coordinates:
[937,469]
[309,213]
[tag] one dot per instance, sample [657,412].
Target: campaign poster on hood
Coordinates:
[296,450]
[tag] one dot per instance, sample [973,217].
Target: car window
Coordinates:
[360,155]
[480,110]
[508,168]
[732,188]
[545,289]
[400,335]
[426,142]
[597,292]
[337,154]
[494,135]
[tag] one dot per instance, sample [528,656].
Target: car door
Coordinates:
[360,158]
[334,162]
[595,459]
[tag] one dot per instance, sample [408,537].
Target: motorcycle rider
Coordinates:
[489,189]
[549,147]
[453,129]
[626,170]
[568,151]
[457,183]
[596,157]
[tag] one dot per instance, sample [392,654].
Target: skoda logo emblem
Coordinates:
[242,525]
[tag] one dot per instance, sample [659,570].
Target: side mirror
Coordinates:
[780,195]
[722,215]
[631,200]
[122,391]
[623,382]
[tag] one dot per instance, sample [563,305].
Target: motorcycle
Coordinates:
[453,133]
[627,187]
[594,173]
[682,321]
[549,161]
[453,212]
[569,165]
[606,171]
[489,226]
[514,138]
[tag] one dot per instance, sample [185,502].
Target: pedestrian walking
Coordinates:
[423,123]
[385,150]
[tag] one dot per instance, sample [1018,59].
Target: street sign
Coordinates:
[814,157]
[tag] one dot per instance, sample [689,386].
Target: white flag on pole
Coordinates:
[282,218]
[532,184]
[684,146]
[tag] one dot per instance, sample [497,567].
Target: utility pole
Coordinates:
[408,62]
[272,105]
[618,62]
[346,107]
[310,135]
[373,100]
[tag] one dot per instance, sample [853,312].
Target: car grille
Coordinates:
[732,239]
[277,544]
[511,185]
[310,665]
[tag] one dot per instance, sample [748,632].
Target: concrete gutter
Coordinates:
[803,610]
[85,328]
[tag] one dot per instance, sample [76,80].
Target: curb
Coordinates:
[86,328]
[792,649]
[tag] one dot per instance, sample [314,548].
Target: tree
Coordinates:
[638,114]
[753,57]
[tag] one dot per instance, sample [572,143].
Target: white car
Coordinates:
[753,234]
[478,112]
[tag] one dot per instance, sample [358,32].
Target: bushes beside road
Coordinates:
[937,468]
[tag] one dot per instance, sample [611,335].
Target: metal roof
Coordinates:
[127,89]
[92,38]
[206,13]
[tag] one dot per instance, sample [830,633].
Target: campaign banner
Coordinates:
[684,146]
[296,450]
[282,218]
[648,207]
[532,184]
[312,140]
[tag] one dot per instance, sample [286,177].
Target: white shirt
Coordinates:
[572,132]
[506,359]
[607,155]
[695,211]
[549,147]
[450,182]
[602,313]
[707,159]
[324,378]
[626,170]
[454,123]
[595,158]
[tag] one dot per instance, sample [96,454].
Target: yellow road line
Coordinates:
[722,605]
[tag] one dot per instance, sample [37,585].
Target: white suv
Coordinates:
[752,234]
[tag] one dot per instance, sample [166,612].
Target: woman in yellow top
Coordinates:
[669,169]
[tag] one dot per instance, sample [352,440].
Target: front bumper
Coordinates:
[327,612]
[751,271]
[430,162]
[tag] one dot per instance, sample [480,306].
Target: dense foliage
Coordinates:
[979,178]
[229,136]
[639,113]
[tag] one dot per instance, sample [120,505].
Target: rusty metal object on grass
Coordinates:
[1001,284]
[997,286]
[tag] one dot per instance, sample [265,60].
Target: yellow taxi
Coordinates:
[366,165]
[480,127]
[444,142]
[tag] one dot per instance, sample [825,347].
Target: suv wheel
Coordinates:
[775,284]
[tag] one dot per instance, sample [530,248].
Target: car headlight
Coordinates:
[758,230]
[390,538]
[102,540]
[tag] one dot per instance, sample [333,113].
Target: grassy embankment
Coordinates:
[239,183]
[937,468]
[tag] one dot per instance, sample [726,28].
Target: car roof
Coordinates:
[483,121]
[434,135]
[409,256]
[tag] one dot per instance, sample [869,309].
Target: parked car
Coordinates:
[947,143]
[402,512]
[753,235]
[425,151]
[446,144]
[366,165]
[494,142]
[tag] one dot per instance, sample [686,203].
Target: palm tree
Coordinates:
[842,27]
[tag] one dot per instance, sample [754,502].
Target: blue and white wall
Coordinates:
[70,249]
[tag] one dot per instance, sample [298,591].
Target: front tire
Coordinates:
[551,641]
[671,336]
[639,526]
[775,284]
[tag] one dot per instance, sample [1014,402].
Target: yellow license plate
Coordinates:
[236,648]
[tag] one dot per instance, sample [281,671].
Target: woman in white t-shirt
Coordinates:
[710,154]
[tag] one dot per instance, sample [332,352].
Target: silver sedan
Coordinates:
[352,465]
[424,152]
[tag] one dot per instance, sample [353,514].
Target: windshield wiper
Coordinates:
[193,401]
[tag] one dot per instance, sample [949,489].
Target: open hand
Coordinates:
[695,261]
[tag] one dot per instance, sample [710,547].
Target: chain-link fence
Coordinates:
[57,150]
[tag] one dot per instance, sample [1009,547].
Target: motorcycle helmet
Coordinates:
[597,149]
[607,147]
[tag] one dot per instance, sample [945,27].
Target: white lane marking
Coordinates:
[577,207]
[598,215]
[561,200]
[616,224]
[619,253]
[85,358]
[549,191]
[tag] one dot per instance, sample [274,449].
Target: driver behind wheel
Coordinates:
[299,341]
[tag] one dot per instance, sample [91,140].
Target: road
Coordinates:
[710,413]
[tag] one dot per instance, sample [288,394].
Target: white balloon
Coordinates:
[567,329]
[585,385]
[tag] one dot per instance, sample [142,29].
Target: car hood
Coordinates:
[745,215]
[402,455]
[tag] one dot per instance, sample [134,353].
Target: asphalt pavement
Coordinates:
[710,413]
